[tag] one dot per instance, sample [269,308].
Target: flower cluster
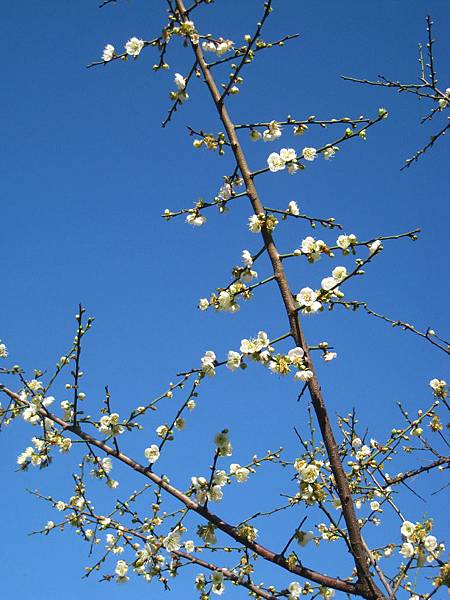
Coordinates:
[225,300]
[330,152]
[195,218]
[313,249]
[337,276]
[293,208]
[219,46]
[439,388]
[286,157]
[203,490]
[208,362]
[308,473]
[110,425]
[419,542]
[272,133]
[443,102]
[3,350]
[240,473]
[257,222]
[345,242]
[180,95]
[307,300]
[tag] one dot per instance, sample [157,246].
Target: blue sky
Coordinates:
[85,173]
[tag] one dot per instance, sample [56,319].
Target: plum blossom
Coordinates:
[307,299]
[152,453]
[293,208]
[134,46]
[241,473]
[223,443]
[247,258]
[108,53]
[217,583]
[172,541]
[345,241]
[309,154]
[407,550]
[407,529]
[208,363]
[255,345]
[272,133]
[275,162]
[295,590]
[438,386]
[304,375]
[233,360]
[121,571]
[375,246]
[254,224]
[195,219]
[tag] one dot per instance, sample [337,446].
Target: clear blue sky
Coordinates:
[85,173]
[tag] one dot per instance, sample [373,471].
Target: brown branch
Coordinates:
[445,460]
[366,586]
[227,574]
[263,552]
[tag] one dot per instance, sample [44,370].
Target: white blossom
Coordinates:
[305,375]
[345,241]
[407,529]
[233,360]
[307,299]
[293,208]
[328,283]
[179,81]
[241,473]
[295,355]
[247,258]
[121,571]
[275,162]
[430,543]
[330,152]
[203,303]
[172,541]
[309,154]
[195,219]
[375,247]
[254,224]
[272,133]
[208,366]
[329,356]
[407,550]
[162,431]
[339,273]
[134,46]
[152,453]
[295,590]
[217,583]
[438,386]
[108,53]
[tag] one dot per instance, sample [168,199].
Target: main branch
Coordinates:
[365,581]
